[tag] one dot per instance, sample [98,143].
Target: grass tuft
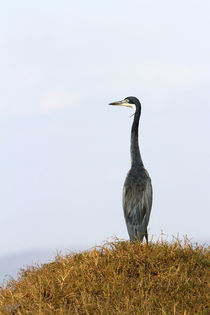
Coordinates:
[117,278]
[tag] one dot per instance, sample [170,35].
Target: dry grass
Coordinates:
[118,278]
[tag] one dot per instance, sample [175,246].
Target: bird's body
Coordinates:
[137,190]
[137,202]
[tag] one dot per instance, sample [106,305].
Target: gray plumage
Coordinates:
[137,202]
[137,190]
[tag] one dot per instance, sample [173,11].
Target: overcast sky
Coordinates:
[65,153]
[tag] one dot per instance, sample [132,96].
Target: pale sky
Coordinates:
[65,152]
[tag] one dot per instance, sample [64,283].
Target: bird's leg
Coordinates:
[146,236]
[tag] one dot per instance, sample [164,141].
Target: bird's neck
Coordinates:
[135,153]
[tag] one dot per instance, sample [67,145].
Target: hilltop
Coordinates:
[117,278]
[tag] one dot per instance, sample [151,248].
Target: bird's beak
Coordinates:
[119,103]
[124,103]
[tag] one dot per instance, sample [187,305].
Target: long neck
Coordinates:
[135,153]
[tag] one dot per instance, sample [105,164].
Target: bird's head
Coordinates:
[130,101]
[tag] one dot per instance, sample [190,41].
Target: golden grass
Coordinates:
[118,278]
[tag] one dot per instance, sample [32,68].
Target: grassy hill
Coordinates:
[118,278]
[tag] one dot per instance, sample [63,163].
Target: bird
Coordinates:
[137,190]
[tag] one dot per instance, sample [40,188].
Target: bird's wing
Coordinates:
[137,203]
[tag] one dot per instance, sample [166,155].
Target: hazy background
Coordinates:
[65,153]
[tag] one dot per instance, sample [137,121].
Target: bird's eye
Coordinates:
[126,100]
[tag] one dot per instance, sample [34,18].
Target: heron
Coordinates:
[137,189]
